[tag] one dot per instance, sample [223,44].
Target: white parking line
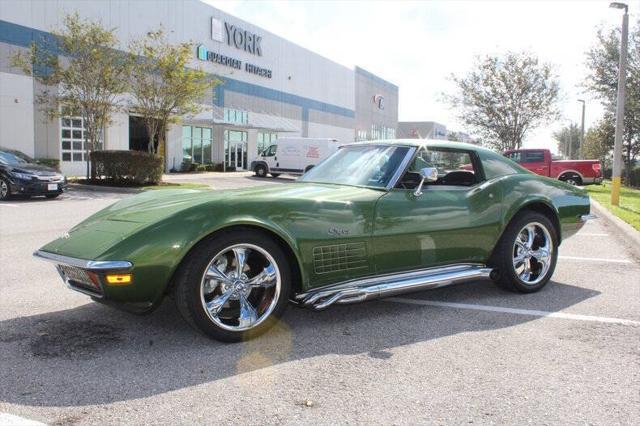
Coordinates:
[595,259]
[11,420]
[591,234]
[7,205]
[527,312]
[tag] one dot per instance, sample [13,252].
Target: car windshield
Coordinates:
[13,158]
[359,165]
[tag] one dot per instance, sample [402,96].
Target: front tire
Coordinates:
[260,171]
[234,285]
[5,193]
[526,255]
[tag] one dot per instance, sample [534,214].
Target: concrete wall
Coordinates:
[16,112]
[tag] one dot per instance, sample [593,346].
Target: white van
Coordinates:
[293,156]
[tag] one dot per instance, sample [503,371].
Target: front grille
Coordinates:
[79,279]
[52,179]
[339,257]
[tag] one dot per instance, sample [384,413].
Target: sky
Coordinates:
[417,45]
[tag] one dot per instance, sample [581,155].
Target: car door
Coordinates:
[534,160]
[448,223]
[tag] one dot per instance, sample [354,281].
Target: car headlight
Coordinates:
[23,176]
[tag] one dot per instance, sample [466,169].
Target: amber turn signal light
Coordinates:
[118,279]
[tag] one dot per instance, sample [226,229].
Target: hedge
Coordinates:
[128,167]
[49,162]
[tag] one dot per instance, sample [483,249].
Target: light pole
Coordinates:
[581,130]
[622,82]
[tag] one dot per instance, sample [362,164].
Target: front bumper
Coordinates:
[85,276]
[36,187]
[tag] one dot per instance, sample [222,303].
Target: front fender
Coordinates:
[157,250]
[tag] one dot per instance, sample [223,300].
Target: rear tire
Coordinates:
[525,257]
[228,302]
[572,179]
[260,171]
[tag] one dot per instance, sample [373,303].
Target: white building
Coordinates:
[271,86]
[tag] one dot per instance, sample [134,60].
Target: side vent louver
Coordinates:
[339,257]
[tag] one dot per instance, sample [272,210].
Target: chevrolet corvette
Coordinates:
[374,219]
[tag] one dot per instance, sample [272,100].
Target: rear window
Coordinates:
[534,157]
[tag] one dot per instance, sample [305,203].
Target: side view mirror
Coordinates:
[429,174]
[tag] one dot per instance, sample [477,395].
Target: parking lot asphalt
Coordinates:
[471,353]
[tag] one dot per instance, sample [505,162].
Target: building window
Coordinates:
[196,144]
[236,116]
[381,132]
[265,139]
[361,135]
[72,133]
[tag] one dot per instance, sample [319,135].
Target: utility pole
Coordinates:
[622,82]
[581,130]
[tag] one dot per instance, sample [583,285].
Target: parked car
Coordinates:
[20,174]
[574,172]
[293,156]
[374,219]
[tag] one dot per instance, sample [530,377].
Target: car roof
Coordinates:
[429,143]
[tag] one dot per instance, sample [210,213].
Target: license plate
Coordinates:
[52,187]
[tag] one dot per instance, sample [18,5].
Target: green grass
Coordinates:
[188,185]
[629,207]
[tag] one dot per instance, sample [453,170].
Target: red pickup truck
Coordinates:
[539,161]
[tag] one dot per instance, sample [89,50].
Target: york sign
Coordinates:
[236,37]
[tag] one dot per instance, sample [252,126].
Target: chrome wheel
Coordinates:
[240,287]
[532,253]
[4,189]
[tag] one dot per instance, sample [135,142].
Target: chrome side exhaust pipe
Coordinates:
[359,290]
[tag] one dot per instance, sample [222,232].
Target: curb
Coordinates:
[102,188]
[627,232]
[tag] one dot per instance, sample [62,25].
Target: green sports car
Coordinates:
[374,219]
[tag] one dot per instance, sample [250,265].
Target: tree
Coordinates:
[599,139]
[163,87]
[602,62]
[568,136]
[503,98]
[82,73]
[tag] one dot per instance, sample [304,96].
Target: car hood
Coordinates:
[130,215]
[151,206]
[34,169]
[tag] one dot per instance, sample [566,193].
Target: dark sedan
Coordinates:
[20,174]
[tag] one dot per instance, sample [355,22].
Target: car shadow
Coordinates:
[96,355]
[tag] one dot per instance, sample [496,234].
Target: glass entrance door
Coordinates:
[235,148]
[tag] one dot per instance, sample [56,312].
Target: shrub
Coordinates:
[49,162]
[128,167]
[201,168]
[210,167]
[220,168]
